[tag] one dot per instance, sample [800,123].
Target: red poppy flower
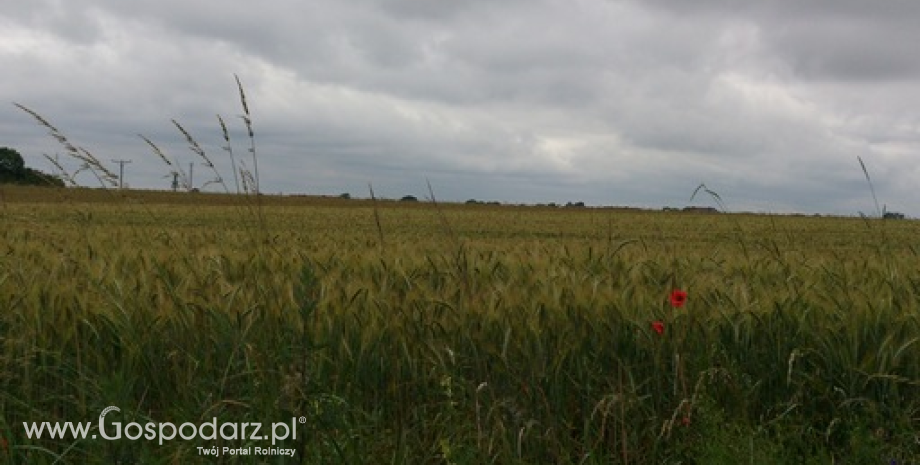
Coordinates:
[678,298]
[658,327]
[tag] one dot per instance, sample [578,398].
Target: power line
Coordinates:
[121,172]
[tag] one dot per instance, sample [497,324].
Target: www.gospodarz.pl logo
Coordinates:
[165,431]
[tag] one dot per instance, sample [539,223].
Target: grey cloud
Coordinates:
[824,40]
[609,102]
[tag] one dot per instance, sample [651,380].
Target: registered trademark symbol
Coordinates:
[302,420]
[94,436]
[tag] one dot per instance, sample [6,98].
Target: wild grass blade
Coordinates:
[871,187]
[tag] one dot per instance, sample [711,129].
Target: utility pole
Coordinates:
[191,182]
[121,172]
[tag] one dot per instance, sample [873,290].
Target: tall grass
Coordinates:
[88,161]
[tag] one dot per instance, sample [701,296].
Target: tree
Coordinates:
[11,163]
[13,170]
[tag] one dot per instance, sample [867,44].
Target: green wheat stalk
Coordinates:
[376,215]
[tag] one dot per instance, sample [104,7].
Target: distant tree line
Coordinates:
[13,170]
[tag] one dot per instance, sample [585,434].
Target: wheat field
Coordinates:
[462,334]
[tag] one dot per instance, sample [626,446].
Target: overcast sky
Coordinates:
[607,102]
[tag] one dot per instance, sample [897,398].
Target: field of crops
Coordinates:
[421,333]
